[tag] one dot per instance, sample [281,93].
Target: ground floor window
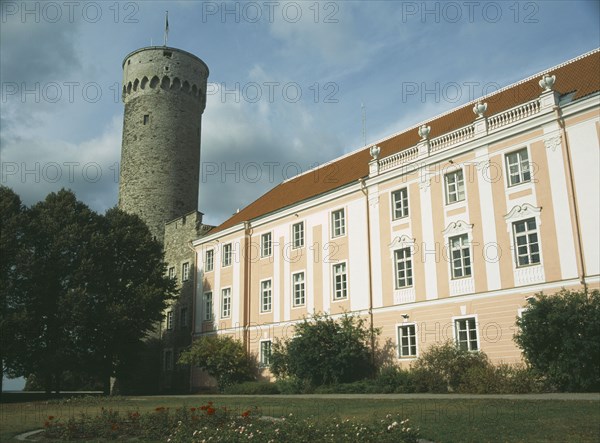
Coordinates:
[265,353]
[466,334]
[168,360]
[407,341]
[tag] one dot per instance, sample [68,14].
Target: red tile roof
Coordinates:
[580,75]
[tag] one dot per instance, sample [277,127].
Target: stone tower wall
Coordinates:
[164,91]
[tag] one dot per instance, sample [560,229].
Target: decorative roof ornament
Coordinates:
[480,108]
[424,132]
[375,150]
[547,82]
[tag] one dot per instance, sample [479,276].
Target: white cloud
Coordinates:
[35,166]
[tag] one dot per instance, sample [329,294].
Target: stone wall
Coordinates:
[164,91]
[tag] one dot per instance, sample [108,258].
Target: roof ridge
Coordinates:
[445,113]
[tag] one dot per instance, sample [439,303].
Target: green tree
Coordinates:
[560,338]
[125,297]
[90,289]
[13,218]
[222,357]
[325,351]
[57,241]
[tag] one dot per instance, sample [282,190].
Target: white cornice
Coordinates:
[523,126]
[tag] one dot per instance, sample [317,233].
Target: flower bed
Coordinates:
[219,424]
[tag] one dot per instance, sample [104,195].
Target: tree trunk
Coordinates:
[1,377]
[48,383]
[57,380]
[106,384]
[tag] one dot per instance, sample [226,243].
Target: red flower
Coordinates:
[203,408]
[210,411]
[51,417]
[245,413]
[193,409]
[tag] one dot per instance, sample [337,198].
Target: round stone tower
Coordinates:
[164,91]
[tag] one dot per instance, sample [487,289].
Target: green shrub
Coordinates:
[501,379]
[445,368]
[252,388]
[326,351]
[223,357]
[293,385]
[393,379]
[366,386]
[560,338]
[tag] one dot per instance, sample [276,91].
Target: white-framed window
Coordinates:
[340,281]
[208,306]
[225,302]
[183,317]
[266,245]
[520,311]
[465,333]
[298,288]
[170,320]
[265,352]
[518,169]
[266,295]
[298,235]
[171,272]
[185,271]
[209,260]
[227,253]
[407,340]
[168,360]
[527,247]
[338,223]
[460,256]
[455,186]
[400,203]
[403,267]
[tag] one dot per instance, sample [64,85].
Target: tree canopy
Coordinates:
[560,338]
[326,351]
[12,220]
[221,356]
[88,288]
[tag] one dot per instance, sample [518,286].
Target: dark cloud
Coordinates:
[37,52]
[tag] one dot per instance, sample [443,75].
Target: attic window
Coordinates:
[146,119]
[128,62]
[167,54]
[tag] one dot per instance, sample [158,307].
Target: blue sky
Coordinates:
[286,82]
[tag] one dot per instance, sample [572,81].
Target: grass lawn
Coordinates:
[440,420]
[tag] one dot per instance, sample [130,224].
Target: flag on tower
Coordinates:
[166,26]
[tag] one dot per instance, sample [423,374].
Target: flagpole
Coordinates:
[166,26]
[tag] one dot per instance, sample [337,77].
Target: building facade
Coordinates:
[440,232]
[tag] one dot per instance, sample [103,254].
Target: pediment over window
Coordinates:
[402,241]
[522,211]
[456,228]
